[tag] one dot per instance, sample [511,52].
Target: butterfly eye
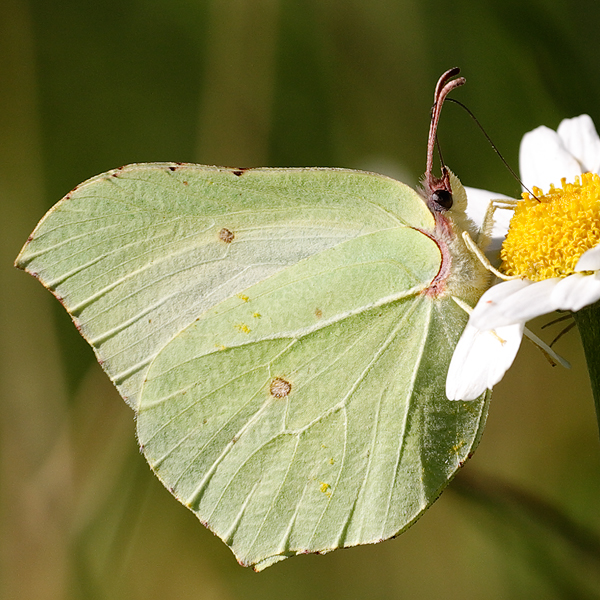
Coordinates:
[442,200]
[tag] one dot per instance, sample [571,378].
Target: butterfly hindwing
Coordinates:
[308,413]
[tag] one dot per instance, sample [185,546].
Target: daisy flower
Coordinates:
[551,249]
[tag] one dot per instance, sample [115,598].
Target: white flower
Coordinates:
[493,334]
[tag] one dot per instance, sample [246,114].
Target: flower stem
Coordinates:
[588,323]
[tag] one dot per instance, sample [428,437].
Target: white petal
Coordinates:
[589,260]
[479,200]
[480,360]
[543,159]
[576,291]
[494,297]
[580,138]
[514,301]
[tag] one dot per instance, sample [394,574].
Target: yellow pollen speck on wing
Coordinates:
[548,235]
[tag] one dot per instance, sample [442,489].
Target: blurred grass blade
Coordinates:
[588,323]
[539,539]
[35,459]
[235,110]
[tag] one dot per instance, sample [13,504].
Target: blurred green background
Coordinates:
[88,86]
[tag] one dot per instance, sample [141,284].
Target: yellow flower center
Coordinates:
[548,235]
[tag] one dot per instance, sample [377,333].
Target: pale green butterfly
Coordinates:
[283,336]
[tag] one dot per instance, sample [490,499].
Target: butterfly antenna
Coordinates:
[439,151]
[444,86]
[443,80]
[494,148]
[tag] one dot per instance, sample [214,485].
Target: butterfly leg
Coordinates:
[476,249]
[551,356]
[485,233]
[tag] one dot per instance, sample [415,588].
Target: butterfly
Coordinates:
[282,336]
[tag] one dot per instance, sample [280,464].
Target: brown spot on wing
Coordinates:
[226,236]
[280,388]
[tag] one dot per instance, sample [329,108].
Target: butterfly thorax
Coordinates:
[461,272]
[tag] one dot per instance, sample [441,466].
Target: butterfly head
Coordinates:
[439,197]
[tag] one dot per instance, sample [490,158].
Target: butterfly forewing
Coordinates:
[137,254]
